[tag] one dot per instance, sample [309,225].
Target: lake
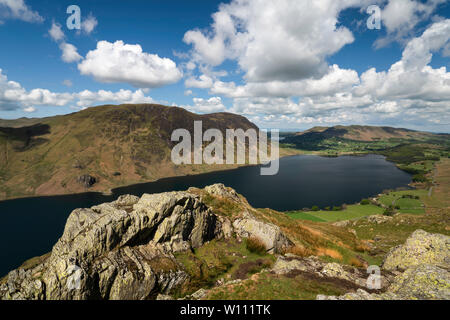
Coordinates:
[31,226]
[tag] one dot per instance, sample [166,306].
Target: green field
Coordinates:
[351,212]
[407,205]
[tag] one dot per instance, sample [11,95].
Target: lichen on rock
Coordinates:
[420,248]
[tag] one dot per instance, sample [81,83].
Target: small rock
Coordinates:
[164,297]
[343,223]
[87,180]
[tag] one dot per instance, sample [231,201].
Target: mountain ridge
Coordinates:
[115,145]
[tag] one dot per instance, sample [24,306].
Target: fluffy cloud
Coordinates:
[282,49]
[17,9]
[30,109]
[88,25]
[412,77]
[334,80]
[13,96]
[211,105]
[88,98]
[69,53]
[56,32]
[401,16]
[274,40]
[204,82]
[120,62]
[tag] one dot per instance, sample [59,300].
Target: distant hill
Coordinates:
[115,145]
[402,146]
[17,123]
[365,133]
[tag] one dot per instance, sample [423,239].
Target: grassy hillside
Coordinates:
[118,145]
[412,151]
[368,242]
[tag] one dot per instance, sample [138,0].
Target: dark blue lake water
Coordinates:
[31,226]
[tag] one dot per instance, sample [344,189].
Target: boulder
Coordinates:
[87,180]
[343,223]
[423,282]
[420,248]
[270,234]
[284,265]
[119,250]
[224,192]
[424,260]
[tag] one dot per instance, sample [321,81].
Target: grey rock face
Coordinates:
[220,190]
[124,249]
[270,234]
[425,260]
[87,180]
[114,250]
[420,248]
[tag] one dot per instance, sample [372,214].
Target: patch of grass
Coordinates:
[255,245]
[300,251]
[305,216]
[396,231]
[356,263]
[405,201]
[351,212]
[268,286]
[221,206]
[216,260]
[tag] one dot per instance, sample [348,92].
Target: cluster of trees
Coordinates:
[328,208]
[419,178]
[391,210]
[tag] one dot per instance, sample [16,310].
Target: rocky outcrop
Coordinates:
[291,263]
[425,260]
[222,191]
[423,282]
[378,219]
[125,249]
[271,235]
[87,180]
[420,248]
[119,250]
[342,224]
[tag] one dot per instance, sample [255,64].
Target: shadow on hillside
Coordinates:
[25,138]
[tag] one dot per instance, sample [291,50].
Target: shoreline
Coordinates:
[110,192]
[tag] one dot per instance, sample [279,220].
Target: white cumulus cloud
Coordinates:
[18,9]
[201,105]
[13,96]
[69,53]
[88,25]
[120,62]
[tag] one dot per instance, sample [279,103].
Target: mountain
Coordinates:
[100,148]
[347,139]
[365,133]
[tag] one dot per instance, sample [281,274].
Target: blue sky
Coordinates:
[284,64]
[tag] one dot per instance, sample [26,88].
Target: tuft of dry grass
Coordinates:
[255,245]
[329,252]
[357,263]
[300,251]
[362,247]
